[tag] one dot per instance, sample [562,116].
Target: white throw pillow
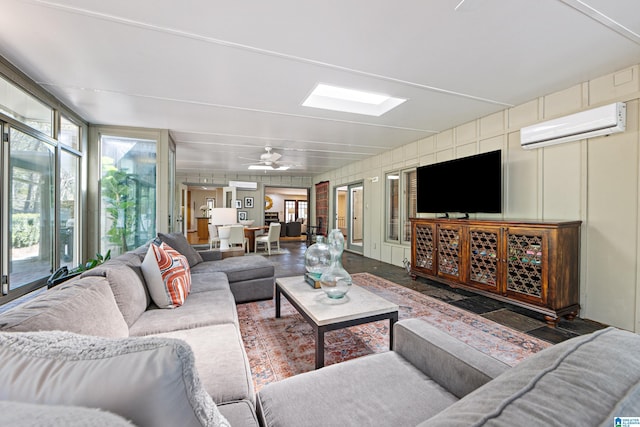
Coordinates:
[150,381]
[167,274]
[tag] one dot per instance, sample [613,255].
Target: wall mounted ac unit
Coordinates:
[586,124]
[244,185]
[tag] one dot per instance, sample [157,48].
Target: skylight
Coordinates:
[350,100]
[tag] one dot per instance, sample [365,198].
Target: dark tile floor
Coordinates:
[532,323]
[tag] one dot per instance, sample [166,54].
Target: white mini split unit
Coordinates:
[586,124]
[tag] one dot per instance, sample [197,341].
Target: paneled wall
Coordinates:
[594,180]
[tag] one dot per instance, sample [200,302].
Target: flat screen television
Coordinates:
[467,185]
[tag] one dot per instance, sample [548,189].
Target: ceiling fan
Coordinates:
[268,160]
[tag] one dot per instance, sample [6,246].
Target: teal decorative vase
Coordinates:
[335,281]
[317,258]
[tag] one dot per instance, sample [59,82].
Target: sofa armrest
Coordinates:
[453,364]
[210,255]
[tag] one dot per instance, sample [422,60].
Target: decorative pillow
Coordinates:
[178,242]
[150,381]
[168,276]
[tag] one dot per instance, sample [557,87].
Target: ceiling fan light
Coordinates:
[268,168]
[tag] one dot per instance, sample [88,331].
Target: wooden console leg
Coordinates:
[551,321]
[571,315]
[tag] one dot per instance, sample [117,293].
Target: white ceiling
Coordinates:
[229,78]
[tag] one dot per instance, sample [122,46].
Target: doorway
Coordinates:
[349,215]
[286,204]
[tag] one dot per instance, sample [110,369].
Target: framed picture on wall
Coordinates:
[242,215]
[248,202]
[238,204]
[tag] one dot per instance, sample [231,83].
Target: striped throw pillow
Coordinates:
[167,274]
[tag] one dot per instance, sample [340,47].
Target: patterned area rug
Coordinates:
[280,348]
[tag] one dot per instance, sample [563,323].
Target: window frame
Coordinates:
[399,205]
[24,84]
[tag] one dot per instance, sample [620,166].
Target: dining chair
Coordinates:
[237,237]
[214,239]
[273,236]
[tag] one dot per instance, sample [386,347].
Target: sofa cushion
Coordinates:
[238,269]
[20,414]
[239,414]
[252,290]
[209,282]
[178,242]
[167,275]
[587,380]
[150,381]
[207,308]
[221,361]
[377,390]
[72,306]
[127,285]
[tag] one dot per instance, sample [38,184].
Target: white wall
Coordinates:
[595,181]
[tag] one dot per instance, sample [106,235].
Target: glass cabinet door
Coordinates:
[526,264]
[424,253]
[484,257]
[449,251]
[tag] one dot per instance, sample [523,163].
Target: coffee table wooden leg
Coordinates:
[319,348]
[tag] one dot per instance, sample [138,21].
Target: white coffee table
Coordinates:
[324,314]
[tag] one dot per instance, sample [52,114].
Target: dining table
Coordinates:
[250,233]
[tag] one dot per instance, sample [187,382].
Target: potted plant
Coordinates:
[63,273]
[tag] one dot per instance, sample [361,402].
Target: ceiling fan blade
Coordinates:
[275,156]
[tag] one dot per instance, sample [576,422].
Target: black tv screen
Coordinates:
[466,185]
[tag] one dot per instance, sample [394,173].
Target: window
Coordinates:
[26,109]
[40,192]
[69,133]
[128,193]
[393,206]
[410,202]
[303,207]
[30,200]
[69,209]
[290,210]
[401,196]
[294,209]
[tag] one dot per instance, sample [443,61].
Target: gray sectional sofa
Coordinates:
[187,366]
[112,301]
